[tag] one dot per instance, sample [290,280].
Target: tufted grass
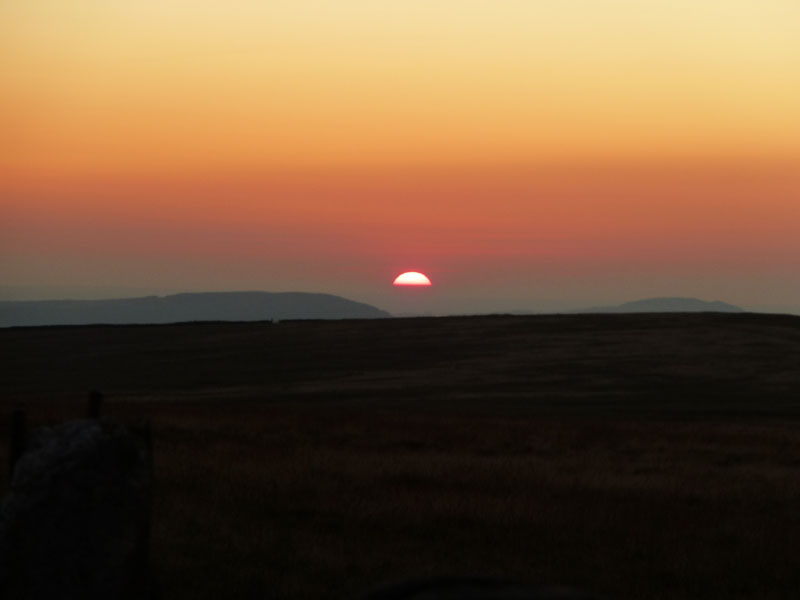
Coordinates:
[644,457]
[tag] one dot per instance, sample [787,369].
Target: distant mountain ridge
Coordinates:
[209,306]
[665,305]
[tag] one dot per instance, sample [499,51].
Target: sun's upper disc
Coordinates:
[412,278]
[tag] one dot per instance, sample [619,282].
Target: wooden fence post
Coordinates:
[18,437]
[94,404]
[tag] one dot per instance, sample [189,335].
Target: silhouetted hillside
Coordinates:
[214,306]
[656,305]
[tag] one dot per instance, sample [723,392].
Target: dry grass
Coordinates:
[333,477]
[319,505]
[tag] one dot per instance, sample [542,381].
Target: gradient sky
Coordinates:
[525,154]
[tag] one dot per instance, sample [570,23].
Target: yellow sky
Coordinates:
[157,86]
[555,148]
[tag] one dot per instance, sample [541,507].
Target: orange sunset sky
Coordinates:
[525,154]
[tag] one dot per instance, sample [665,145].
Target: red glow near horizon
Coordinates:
[412,278]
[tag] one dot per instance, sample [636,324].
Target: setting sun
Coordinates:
[412,278]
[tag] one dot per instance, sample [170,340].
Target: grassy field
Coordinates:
[636,456]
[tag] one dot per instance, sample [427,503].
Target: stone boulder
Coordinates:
[472,588]
[75,523]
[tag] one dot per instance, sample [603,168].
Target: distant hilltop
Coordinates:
[211,306]
[664,305]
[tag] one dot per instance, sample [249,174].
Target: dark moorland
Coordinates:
[636,456]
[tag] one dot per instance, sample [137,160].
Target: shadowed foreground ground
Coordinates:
[637,456]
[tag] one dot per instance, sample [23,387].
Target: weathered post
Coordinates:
[143,547]
[94,404]
[18,437]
